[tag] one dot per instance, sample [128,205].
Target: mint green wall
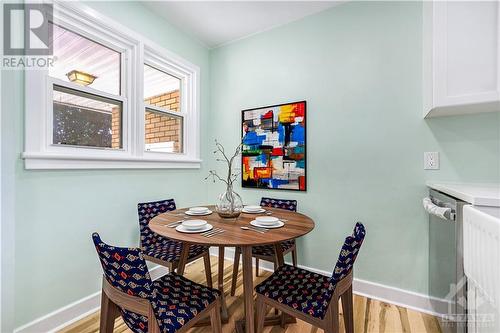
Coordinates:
[359,66]
[55,212]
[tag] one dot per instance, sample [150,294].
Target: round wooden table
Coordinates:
[297,225]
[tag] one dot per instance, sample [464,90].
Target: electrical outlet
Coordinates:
[431,160]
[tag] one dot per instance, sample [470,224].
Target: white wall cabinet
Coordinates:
[461,57]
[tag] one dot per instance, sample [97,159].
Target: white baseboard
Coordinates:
[73,312]
[400,297]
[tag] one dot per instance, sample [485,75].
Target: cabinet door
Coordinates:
[464,52]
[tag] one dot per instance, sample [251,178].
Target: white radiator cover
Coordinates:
[482,267]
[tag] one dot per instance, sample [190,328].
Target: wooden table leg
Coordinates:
[279,254]
[248,288]
[220,285]
[183,259]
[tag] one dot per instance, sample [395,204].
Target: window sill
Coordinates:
[51,161]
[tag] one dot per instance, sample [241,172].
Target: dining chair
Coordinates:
[162,250]
[267,252]
[170,304]
[312,297]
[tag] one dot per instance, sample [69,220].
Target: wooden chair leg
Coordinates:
[347,310]
[257,267]
[208,269]
[294,257]
[260,312]
[170,267]
[152,323]
[215,320]
[109,311]
[275,263]
[220,283]
[332,317]
[236,264]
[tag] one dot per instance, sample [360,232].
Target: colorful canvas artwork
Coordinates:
[274,147]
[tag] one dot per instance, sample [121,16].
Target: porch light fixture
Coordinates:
[80,77]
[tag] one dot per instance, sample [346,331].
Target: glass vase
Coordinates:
[229,204]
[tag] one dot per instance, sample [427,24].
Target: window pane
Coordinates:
[161,89]
[85,62]
[163,132]
[82,119]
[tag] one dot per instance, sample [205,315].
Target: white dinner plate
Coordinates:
[267,219]
[194,224]
[190,213]
[199,209]
[181,228]
[262,210]
[279,224]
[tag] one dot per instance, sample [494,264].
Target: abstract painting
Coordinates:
[274,147]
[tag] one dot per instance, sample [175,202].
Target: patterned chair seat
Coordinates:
[268,250]
[170,250]
[175,300]
[300,289]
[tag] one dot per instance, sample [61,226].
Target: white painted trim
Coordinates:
[63,161]
[400,297]
[71,313]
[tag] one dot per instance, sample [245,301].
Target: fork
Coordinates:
[221,231]
[212,232]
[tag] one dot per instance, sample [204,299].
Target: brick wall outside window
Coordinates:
[159,127]
[116,124]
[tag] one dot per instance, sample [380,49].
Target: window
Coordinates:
[81,119]
[163,119]
[75,53]
[113,99]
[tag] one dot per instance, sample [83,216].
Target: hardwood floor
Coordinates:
[369,315]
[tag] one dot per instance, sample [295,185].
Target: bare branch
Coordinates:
[231,176]
[213,174]
[220,148]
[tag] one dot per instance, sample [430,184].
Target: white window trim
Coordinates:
[39,153]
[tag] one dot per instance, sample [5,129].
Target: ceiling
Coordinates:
[215,23]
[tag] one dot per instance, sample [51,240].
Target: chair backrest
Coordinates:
[124,268]
[348,253]
[290,205]
[147,211]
